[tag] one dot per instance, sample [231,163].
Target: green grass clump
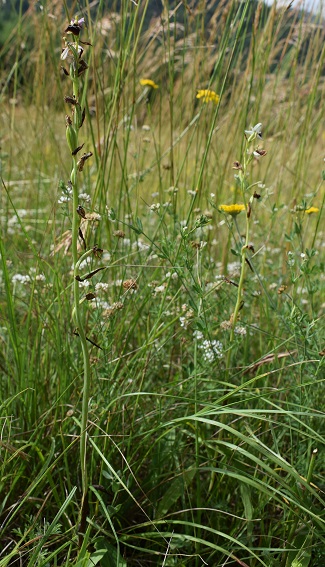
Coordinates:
[201,420]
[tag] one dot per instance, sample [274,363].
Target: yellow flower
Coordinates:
[232,210]
[312,210]
[208,96]
[148,83]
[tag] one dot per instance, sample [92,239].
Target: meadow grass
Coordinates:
[202,421]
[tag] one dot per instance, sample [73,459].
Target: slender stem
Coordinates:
[82,335]
[243,187]
[241,282]
[77,314]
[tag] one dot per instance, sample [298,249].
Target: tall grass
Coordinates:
[205,436]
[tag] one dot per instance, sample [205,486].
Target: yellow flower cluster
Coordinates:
[208,96]
[232,210]
[312,210]
[148,83]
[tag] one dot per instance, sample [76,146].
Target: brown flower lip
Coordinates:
[259,152]
[74,29]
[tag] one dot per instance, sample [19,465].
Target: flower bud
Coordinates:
[71,134]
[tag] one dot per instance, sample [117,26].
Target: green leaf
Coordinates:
[176,489]
[301,556]
[107,554]
[245,492]
[132,227]
[139,224]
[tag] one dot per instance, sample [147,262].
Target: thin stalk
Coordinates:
[241,283]
[244,187]
[73,127]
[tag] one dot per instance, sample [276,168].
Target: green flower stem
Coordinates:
[242,176]
[77,314]
[82,336]
[241,284]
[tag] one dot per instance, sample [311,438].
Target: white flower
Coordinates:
[85,197]
[198,335]
[64,199]
[240,331]
[183,322]
[67,50]
[20,278]
[255,132]
[211,350]
[173,275]
[101,286]
[77,22]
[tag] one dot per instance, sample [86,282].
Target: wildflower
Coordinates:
[85,197]
[20,278]
[232,210]
[63,199]
[71,49]
[282,289]
[197,335]
[110,311]
[159,288]
[211,350]
[183,322]
[130,284]
[226,325]
[240,331]
[208,96]
[312,210]
[82,160]
[148,83]
[93,216]
[173,275]
[101,286]
[259,153]
[75,26]
[255,132]
[185,319]
[119,233]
